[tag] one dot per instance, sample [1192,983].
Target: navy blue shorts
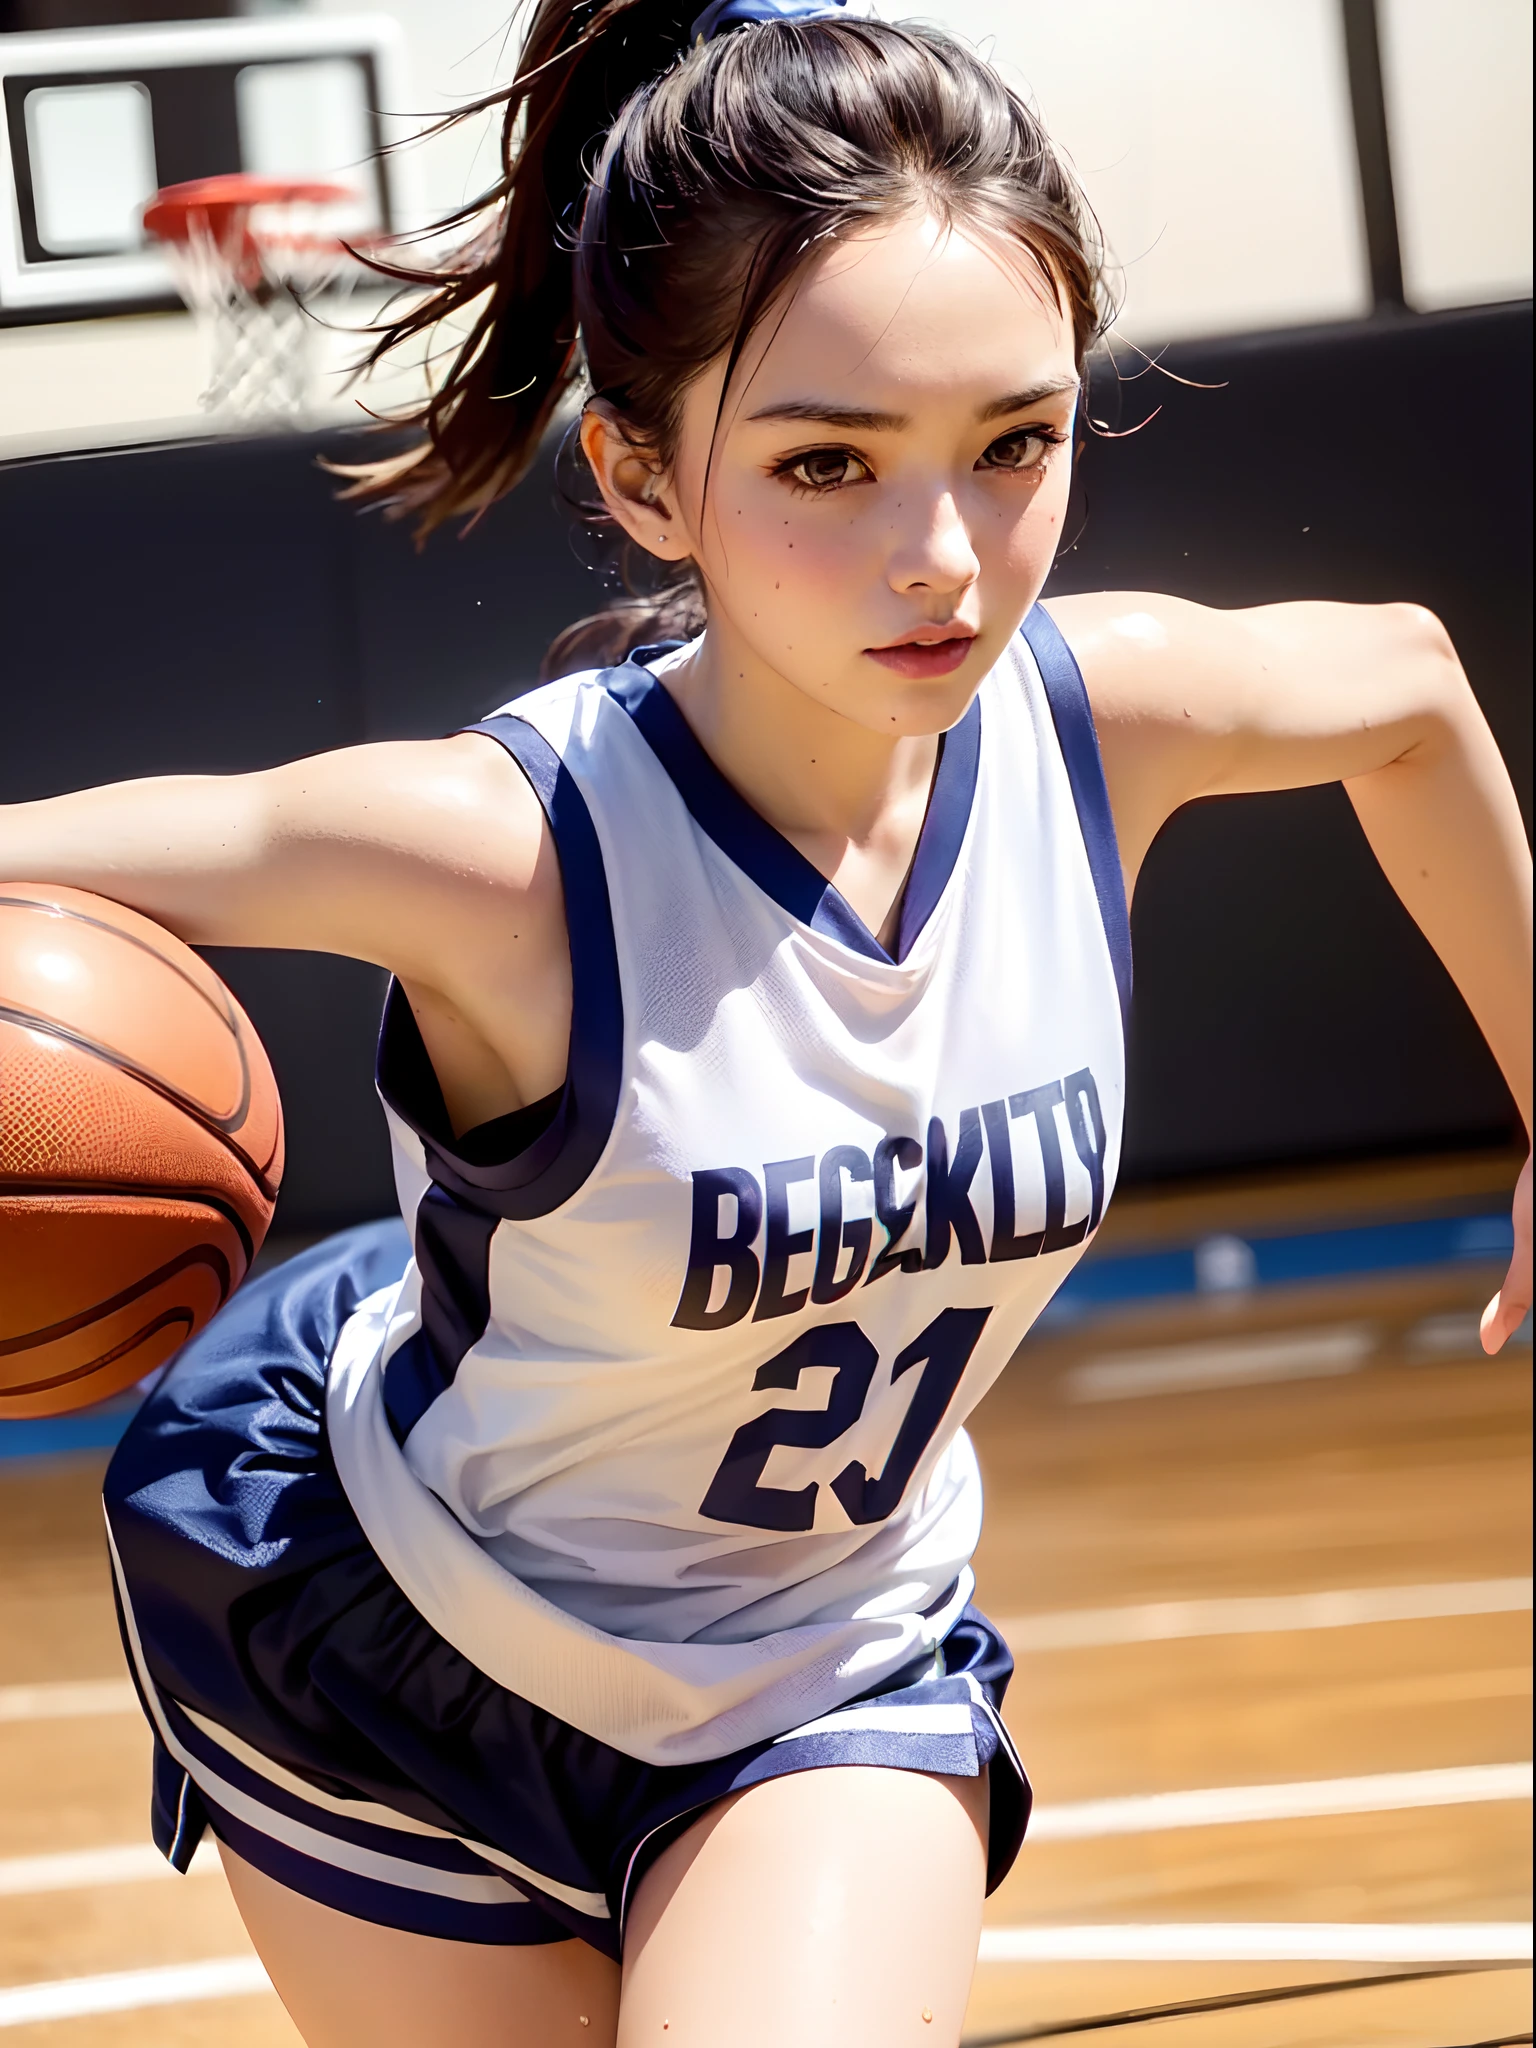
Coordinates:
[306,1711]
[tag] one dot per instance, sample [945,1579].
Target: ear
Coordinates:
[634,487]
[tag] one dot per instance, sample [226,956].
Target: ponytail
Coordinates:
[515,275]
[653,202]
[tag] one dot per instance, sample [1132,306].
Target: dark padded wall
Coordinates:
[211,607]
[1286,1005]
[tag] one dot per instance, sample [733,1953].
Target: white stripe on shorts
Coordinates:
[944,1717]
[350,1809]
[593,1904]
[327,1848]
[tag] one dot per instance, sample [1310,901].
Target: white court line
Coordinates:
[1222,1362]
[76,1869]
[1141,1814]
[1223,1805]
[70,1998]
[1163,1621]
[66,1698]
[1332,1941]
[1264,1941]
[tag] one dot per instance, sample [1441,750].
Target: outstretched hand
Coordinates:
[1512,1304]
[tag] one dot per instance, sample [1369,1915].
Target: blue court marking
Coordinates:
[1103,1281]
[88,1429]
[1110,1279]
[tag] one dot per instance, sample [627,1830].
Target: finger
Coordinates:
[1501,1318]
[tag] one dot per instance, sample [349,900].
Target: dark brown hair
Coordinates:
[654,201]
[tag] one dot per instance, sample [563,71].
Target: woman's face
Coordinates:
[889,476]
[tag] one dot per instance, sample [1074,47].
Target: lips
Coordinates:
[925,656]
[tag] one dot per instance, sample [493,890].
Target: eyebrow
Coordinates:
[856,420]
[1019,401]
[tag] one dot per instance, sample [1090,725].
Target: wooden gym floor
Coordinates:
[1156,1552]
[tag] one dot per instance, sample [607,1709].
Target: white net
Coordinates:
[251,260]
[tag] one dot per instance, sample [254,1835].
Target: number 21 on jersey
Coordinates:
[943,1350]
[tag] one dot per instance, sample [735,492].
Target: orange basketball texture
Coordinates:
[141,1147]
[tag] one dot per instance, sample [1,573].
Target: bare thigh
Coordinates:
[835,1908]
[350,1984]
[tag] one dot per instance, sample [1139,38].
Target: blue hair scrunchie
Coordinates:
[723,14]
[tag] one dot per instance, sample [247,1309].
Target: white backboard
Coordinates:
[95,120]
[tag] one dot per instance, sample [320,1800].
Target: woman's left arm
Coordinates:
[1191,702]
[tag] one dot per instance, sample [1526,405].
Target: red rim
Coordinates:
[170,213]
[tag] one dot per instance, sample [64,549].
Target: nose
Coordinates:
[934,553]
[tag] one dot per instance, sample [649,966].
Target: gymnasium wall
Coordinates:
[208,606]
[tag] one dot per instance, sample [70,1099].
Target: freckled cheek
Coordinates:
[1029,540]
[1050,508]
[789,559]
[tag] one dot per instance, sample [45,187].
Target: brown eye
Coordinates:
[1026,449]
[825,469]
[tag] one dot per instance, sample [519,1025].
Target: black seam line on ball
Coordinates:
[207,1255]
[223,1007]
[216,1126]
[195,1198]
[98,1364]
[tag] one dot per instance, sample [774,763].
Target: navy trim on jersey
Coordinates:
[452,1243]
[1072,715]
[408,1074]
[778,868]
[475,1182]
[536,1179]
[943,833]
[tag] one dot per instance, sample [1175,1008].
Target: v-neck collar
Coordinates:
[777,867]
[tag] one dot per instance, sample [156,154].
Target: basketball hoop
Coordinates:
[249,253]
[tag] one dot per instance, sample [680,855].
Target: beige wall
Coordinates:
[1458,78]
[1214,140]
[1213,137]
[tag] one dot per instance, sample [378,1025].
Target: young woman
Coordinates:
[561,1614]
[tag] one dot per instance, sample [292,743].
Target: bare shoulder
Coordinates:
[431,857]
[1190,700]
[430,802]
[1144,654]
[434,858]
[1159,674]
[1122,639]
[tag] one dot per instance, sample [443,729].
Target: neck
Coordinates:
[851,800]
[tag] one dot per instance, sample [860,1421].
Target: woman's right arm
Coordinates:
[429,858]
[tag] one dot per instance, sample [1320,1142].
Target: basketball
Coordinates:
[141,1146]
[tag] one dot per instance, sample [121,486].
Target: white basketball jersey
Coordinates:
[662,1428]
